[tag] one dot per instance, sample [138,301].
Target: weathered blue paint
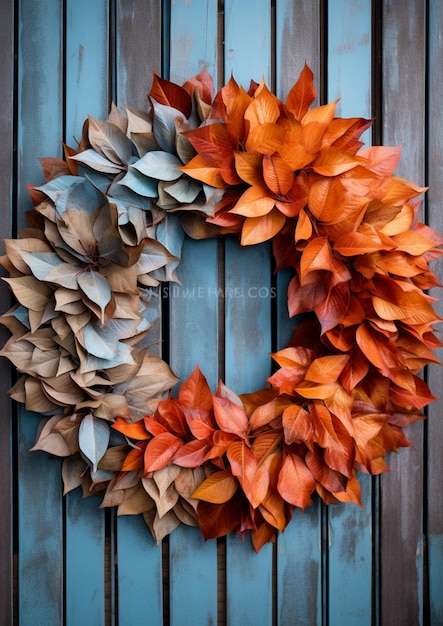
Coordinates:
[40,559]
[247,52]
[312,583]
[193,39]
[350,547]
[87,64]
[139,567]
[193,310]
[193,578]
[85,554]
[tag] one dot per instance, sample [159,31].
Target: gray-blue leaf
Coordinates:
[93,439]
[159,165]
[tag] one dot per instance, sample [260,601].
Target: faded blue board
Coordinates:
[300,572]
[40,561]
[85,557]
[433,427]
[139,566]
[350,549]
[87,64]
[247,51]
[193,325]
[248,315]
[86,80]
[138,560]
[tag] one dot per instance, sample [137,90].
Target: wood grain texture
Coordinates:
[193,325]
[6,432]
[434,428]
[350,545]
[40,109]
[404,110]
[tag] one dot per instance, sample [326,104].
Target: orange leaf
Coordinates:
[296,482]
[258,229]
[204,167]
[303,230]
[192,454]
[170,94]
[230,417]
[255,202]
[382,160]
[264,108]
[327,369]
[243,464]
[133,460]
[316,256]
[277,174]
[195,393]
[218,488]
[265,139]
[263,415]
[201,422]
[133,430]
[297,425]
[326,199]
[248,166]
[302,94]
[331,162]
[160,451]
[377,348]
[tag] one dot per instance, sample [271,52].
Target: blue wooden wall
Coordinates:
[63,560]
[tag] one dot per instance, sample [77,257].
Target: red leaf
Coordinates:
[168,93]
[201,422]
[230,417]
[243,465]
[192,454]
[160,451]
[195,393]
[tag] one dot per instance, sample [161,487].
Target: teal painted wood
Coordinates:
[40,559]
[6,442]
[193,578]
[299,574]
[403,99]
[248,339]
[247,41]
[350,537]
[138,560]
[87,93]
[248,299]
[138,50]
[300,571]
[85,558]
[433,428]
[139,567]
[193,39]
[87,64]
[193,324]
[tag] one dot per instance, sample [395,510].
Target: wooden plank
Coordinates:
[193,39]
[85,557]
[6,178]
[87,64]
[350,538]
[403,113]
[247,49]
[299,557]
[138,48]
[248,340]
[434,424]
[86,79]
[193,323]
[40,560]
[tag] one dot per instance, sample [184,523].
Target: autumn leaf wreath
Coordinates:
[107,229]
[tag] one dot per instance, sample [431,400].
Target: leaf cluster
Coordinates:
[108,227]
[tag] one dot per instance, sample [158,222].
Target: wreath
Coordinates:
[107,230]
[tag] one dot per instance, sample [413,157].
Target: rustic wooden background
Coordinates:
[64,561]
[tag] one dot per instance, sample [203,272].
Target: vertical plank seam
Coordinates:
[426,608]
